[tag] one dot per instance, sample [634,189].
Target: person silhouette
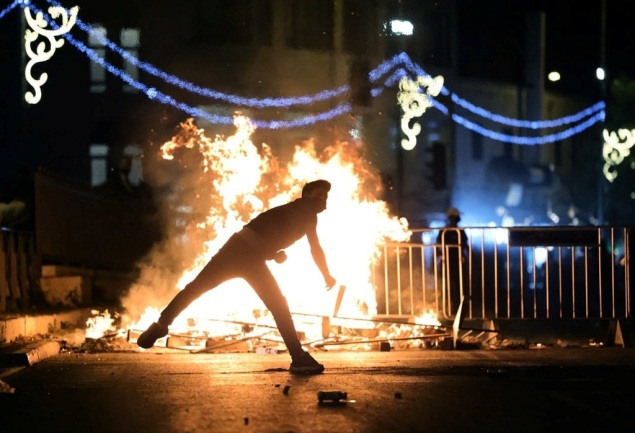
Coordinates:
[454,254]
[17,211]
[245,254]
[119,178]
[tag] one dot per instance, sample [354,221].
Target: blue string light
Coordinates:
[404,59]
[399,59]
[532,124]
[530,141]
[401,63]
[9,8]
[161,97]
[232,99]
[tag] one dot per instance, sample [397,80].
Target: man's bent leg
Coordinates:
[267,288]
[265,285]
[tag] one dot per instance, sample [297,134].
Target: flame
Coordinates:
[219,184]
[99,324]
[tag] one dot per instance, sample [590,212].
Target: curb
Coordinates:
[29,326]
[30,354]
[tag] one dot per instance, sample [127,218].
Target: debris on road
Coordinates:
[332,396]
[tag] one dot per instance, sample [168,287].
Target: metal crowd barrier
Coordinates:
[525,273]
[510,273]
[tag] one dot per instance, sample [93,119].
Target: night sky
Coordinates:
[491,39]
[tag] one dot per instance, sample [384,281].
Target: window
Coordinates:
[97,41]
[136,174]
[98,164]
[130,43]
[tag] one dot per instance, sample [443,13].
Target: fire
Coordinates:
[219,184]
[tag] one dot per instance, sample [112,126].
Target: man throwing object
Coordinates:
[245,255]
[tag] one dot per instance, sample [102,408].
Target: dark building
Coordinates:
[90,112]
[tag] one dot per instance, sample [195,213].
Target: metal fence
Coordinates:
[514,273]
[510,273]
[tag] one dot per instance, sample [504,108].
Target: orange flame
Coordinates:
[228,181]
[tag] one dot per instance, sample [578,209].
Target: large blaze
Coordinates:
[217,185]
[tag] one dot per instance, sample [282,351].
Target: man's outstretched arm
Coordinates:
[319,258]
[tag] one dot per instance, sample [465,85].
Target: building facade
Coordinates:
[97,104]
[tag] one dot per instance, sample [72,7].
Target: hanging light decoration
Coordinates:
[41,53]
[617,146]
[414,103]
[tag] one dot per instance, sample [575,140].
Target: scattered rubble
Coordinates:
[331,396]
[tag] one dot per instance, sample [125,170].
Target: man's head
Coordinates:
[317,191]
[454,216]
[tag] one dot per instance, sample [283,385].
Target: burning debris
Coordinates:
[263,337]
[211,187]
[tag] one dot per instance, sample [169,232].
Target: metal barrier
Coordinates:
[519,273]
[19,270]
[542,272]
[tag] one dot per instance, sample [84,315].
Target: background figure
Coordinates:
[454,256]
[122,182]
[119,178]
[16,209]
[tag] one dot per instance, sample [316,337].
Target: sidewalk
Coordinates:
[27,339]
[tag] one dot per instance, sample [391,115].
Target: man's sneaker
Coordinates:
[305,364]
[152,334]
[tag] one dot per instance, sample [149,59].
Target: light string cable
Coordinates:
[403,66]
[233,99]
[531,124]
[374,76]
[10,8]
[159,96]
[300,100]
[531,141]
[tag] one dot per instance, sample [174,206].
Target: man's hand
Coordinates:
[280,257]
[329,281]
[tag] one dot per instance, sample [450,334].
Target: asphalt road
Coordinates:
[417,390]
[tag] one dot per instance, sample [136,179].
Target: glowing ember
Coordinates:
[218,185]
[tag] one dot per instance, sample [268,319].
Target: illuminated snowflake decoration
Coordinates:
[617,146]
[414,103]
[41,53]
